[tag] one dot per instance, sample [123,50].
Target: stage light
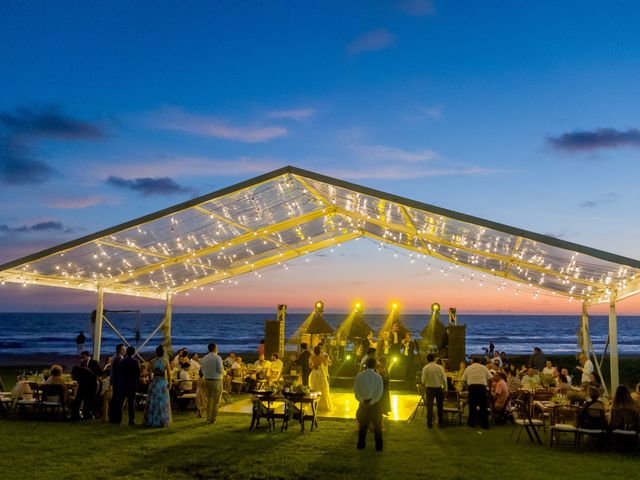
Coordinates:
[435,307]
[357,307]
[395,359]
[394,306]
[319,306]
[348,357]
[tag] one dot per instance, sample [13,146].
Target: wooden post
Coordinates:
[613,343]
[166,329]
[97,327]
[584,329]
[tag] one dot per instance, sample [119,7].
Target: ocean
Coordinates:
[40,333]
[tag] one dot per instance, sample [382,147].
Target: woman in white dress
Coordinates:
[318,379]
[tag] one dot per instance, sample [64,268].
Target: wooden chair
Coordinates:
[523,421]
[422,403]
[452,405]
[593,423]
[28,398]
[184,394]
[564,420]
[624,427]
[52,401]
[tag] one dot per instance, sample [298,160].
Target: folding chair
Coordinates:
[593,423]
[524,421]
[624,428]
[422,403]
[52,400]
[452,404]
[564,420]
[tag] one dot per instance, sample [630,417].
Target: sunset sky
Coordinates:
[521,113]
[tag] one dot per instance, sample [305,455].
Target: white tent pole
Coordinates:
[97,328]
[613,341]
[584,328]
[167,325]
[120,335]
[151,335]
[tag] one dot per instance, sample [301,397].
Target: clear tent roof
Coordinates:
[291,212]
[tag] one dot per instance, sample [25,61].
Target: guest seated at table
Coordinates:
[548,368]
[178,359]
[261,367]
[622,399]
[522,371]
[562,386]
[565,372]
[500,394]
[55,378]
[227,362]
[586,419]
[505,361]
[275,369]
[531,379]
[185,378]
[194,367]
[86,393]
[513,382]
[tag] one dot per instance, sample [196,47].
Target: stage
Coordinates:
[344,406]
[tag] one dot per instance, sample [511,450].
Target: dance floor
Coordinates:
[344,406]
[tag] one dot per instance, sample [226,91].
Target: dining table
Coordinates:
[303,399]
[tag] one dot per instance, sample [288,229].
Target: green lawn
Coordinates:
[192,449]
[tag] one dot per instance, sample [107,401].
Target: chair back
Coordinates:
[593,417]
[565,414]
[236,373]
[521,408]
[452,398]
[625,419]
[53,393]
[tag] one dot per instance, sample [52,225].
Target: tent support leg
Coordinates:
[166,331]
[97,328]
[613,341]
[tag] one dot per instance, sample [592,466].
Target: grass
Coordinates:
[190,448]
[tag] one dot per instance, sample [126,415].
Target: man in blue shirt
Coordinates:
[368,390]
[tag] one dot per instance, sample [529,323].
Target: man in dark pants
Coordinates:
[303,360]
[435,381]
[90,363]
[130,377]
[476,376]
[115,407]
[368,390]
[86,393]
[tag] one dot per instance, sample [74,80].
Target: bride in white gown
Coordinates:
[319,377]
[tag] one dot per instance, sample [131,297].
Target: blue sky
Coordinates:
[522,113]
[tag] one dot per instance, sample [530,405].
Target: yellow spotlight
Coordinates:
[319,305]
[357,307]
[348,357]
[394,306]
[395,359]
[435,307]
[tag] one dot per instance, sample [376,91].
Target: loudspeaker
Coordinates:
[273,337]
[457,345]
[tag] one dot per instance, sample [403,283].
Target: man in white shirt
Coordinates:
[565,372]
[275,369]
[368,390]
[435,381]
[476,376]
[195,366]
[213,372]
[587,371]
[548,368]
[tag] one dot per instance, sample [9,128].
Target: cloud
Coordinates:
[382,152]
[20,132]
[406,172]
[149,186]
[46,226]
[418,8]
[188,166]
[608,198]
[589,140]
[589,204]
[433,112]
[371,41]
[77,202]
[298,114]
[178,120]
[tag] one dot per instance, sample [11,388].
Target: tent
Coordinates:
[291,212]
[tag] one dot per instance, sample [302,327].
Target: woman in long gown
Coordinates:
[319,379]
[158,410]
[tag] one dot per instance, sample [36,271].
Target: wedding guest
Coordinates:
[513,382]
[202,399]
[303,360]
[194,366]
[115,409]
[261,348]
[86,392]
[80,339]
[213,372]
[385,401]
[106,367]
[636,394]
[55,378]
[368,389]
[500,392]
[227,362]
[476,377]
[158,411]
[130,369]
[371,353]
[531,379]
[537,359]
[435,382]
[275,369]
[87,362]
[565,372]
[548,368]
